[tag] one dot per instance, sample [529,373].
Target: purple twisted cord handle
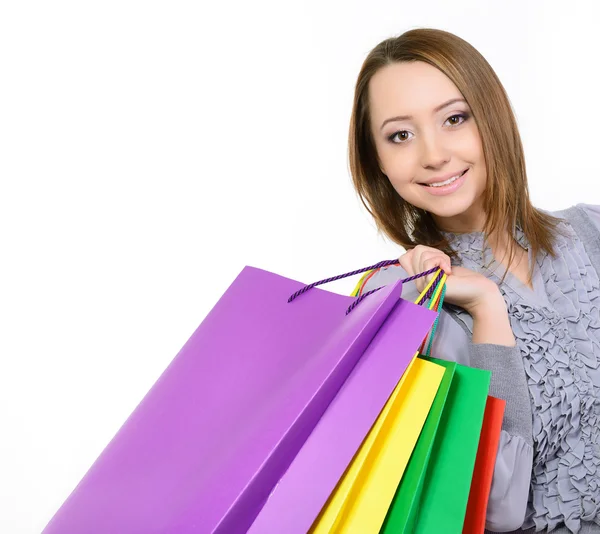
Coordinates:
[339,277]
[372,267]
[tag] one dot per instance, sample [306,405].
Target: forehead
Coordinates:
[414,88]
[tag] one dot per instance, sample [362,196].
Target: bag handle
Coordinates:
[425,294]
[436,303]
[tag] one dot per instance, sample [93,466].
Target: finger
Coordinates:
[420,254]
[443,260]
[423,253]
[417,254]
[431,263]
[446,263]
[407,264]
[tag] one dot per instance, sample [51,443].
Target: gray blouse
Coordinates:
[547,473]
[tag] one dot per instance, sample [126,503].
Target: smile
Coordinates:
[447,182]
[447,186]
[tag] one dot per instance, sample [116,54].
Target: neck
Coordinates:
[473,220]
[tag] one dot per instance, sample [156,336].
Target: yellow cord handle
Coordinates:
[437,292]
[427,287]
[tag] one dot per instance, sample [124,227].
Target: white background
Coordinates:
[150,150]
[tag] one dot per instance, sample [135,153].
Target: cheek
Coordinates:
[475,145]
[401,178]
[478,158]
[401,182]
[400,167]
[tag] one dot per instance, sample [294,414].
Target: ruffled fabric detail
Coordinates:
[560,344]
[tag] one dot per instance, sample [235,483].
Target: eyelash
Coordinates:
[464,116]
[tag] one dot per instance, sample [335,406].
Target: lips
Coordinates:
[446,187]
[446,181]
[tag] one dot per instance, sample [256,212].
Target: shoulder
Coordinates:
[592,211]
[581,213]
[578,221]
[583,222]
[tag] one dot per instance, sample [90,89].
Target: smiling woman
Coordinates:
[428,107]
[437,160]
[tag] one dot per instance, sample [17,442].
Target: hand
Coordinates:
[464,288]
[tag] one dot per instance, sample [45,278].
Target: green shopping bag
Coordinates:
[402,513]
[433,494]
[445,493]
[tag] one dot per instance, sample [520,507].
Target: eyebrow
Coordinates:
[438,108]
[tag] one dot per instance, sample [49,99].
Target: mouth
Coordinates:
[446,187]
[446,182]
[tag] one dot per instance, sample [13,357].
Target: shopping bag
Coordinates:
[360,502]
[402,513]
[484,466]
[209,441]
[443,501]
[306,486]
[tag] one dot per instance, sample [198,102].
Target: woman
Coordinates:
[436,158]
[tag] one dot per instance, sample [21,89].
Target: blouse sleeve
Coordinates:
[509,493]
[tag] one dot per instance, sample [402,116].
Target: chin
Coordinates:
[448,207]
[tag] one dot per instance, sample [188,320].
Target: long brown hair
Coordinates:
[506,198]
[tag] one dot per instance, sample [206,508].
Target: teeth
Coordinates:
[446,182]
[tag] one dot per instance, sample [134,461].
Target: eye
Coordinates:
[463,116]
[393,136]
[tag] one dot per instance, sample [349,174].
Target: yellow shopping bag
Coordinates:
[361,500]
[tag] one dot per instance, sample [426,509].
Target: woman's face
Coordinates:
[422,146]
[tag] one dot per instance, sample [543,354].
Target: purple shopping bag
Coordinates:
[314,473]
[207,444]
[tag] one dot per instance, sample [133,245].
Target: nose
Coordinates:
[433,153]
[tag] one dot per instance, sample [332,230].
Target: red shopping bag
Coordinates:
[484,466]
